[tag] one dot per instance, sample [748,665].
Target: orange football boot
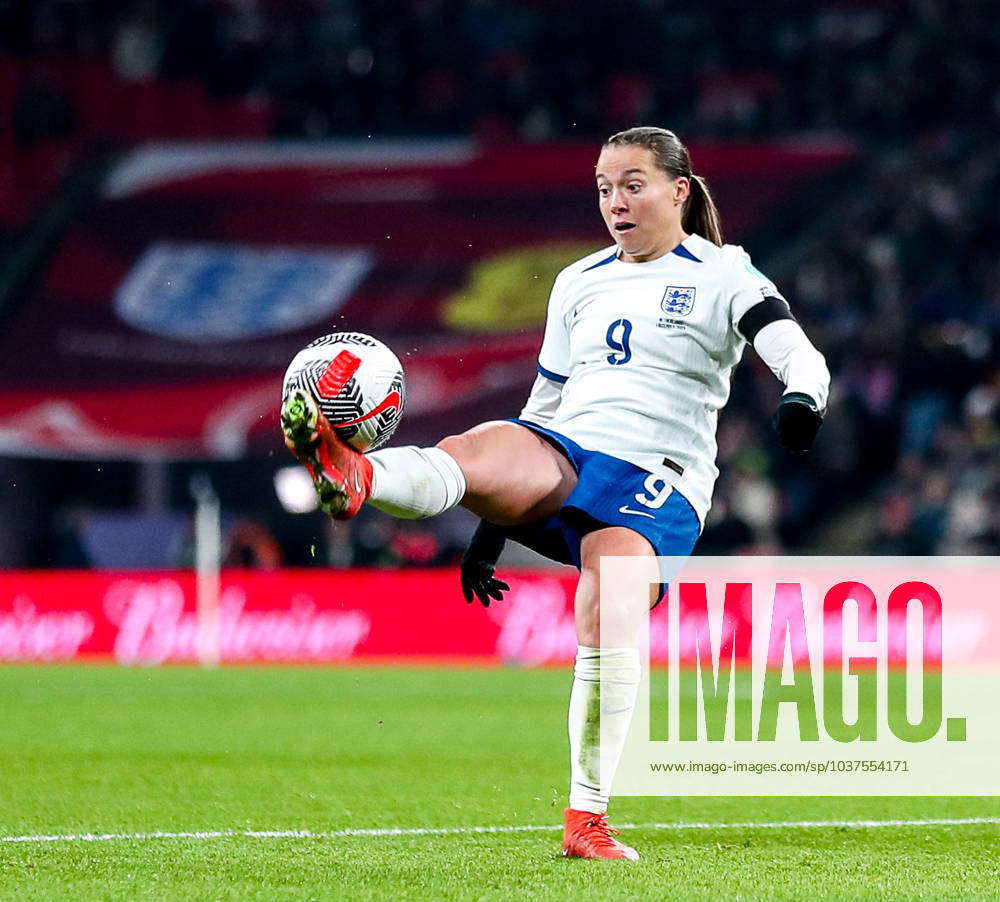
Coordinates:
[587,835]
[342,476]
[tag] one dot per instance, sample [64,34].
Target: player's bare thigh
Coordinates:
[630,596]
[512,475]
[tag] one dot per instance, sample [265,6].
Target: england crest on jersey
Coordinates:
[677,301]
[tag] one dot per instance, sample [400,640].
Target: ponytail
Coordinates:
[700,215]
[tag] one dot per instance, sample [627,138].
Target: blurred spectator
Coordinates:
[249,544]
[137,45]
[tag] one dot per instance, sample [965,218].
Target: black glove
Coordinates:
[797,420]
[479,565]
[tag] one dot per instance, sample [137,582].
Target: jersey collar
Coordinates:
[680,250]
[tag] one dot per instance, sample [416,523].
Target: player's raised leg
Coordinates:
[500,471]
[599,723]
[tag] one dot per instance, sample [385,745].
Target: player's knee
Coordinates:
[466,450]
[456,445]
[479,452]
[461,447]
[587,605]
[608,611]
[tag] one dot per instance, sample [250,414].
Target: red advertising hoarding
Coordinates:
[332,616]
[303,616]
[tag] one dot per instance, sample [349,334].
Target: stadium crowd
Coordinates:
[904,300]
[540,69]
[900,289]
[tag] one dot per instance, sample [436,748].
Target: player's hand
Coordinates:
[479,565]
[797,420]
[479,582]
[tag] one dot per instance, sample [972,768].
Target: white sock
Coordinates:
[412,482]
[593,764]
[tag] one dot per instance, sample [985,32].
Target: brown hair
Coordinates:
[700,215]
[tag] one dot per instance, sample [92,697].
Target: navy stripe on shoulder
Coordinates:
[548,374]
[682,251]
[610,259]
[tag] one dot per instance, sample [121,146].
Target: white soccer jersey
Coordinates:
[644,353]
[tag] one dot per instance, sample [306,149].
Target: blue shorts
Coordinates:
[610,492]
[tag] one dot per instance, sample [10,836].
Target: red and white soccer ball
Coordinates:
[357,381]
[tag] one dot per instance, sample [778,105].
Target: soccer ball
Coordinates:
[358,383]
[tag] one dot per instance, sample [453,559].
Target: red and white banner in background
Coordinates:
[329,616]
[298,616]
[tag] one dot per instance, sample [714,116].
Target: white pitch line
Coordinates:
[465,831]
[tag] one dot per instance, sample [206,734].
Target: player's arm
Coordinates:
[785,348]
[479,565]
[553,362]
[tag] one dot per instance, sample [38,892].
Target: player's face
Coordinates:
[640,203]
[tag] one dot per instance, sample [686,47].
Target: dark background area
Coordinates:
[892,263]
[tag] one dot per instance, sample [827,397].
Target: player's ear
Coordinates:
[682,190]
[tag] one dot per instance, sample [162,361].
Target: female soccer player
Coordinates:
[614,452]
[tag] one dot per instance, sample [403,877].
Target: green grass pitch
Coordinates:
[109,750]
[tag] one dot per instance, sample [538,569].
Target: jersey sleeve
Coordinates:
[749,287]
[543,402]
[784,347]
[553,358]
